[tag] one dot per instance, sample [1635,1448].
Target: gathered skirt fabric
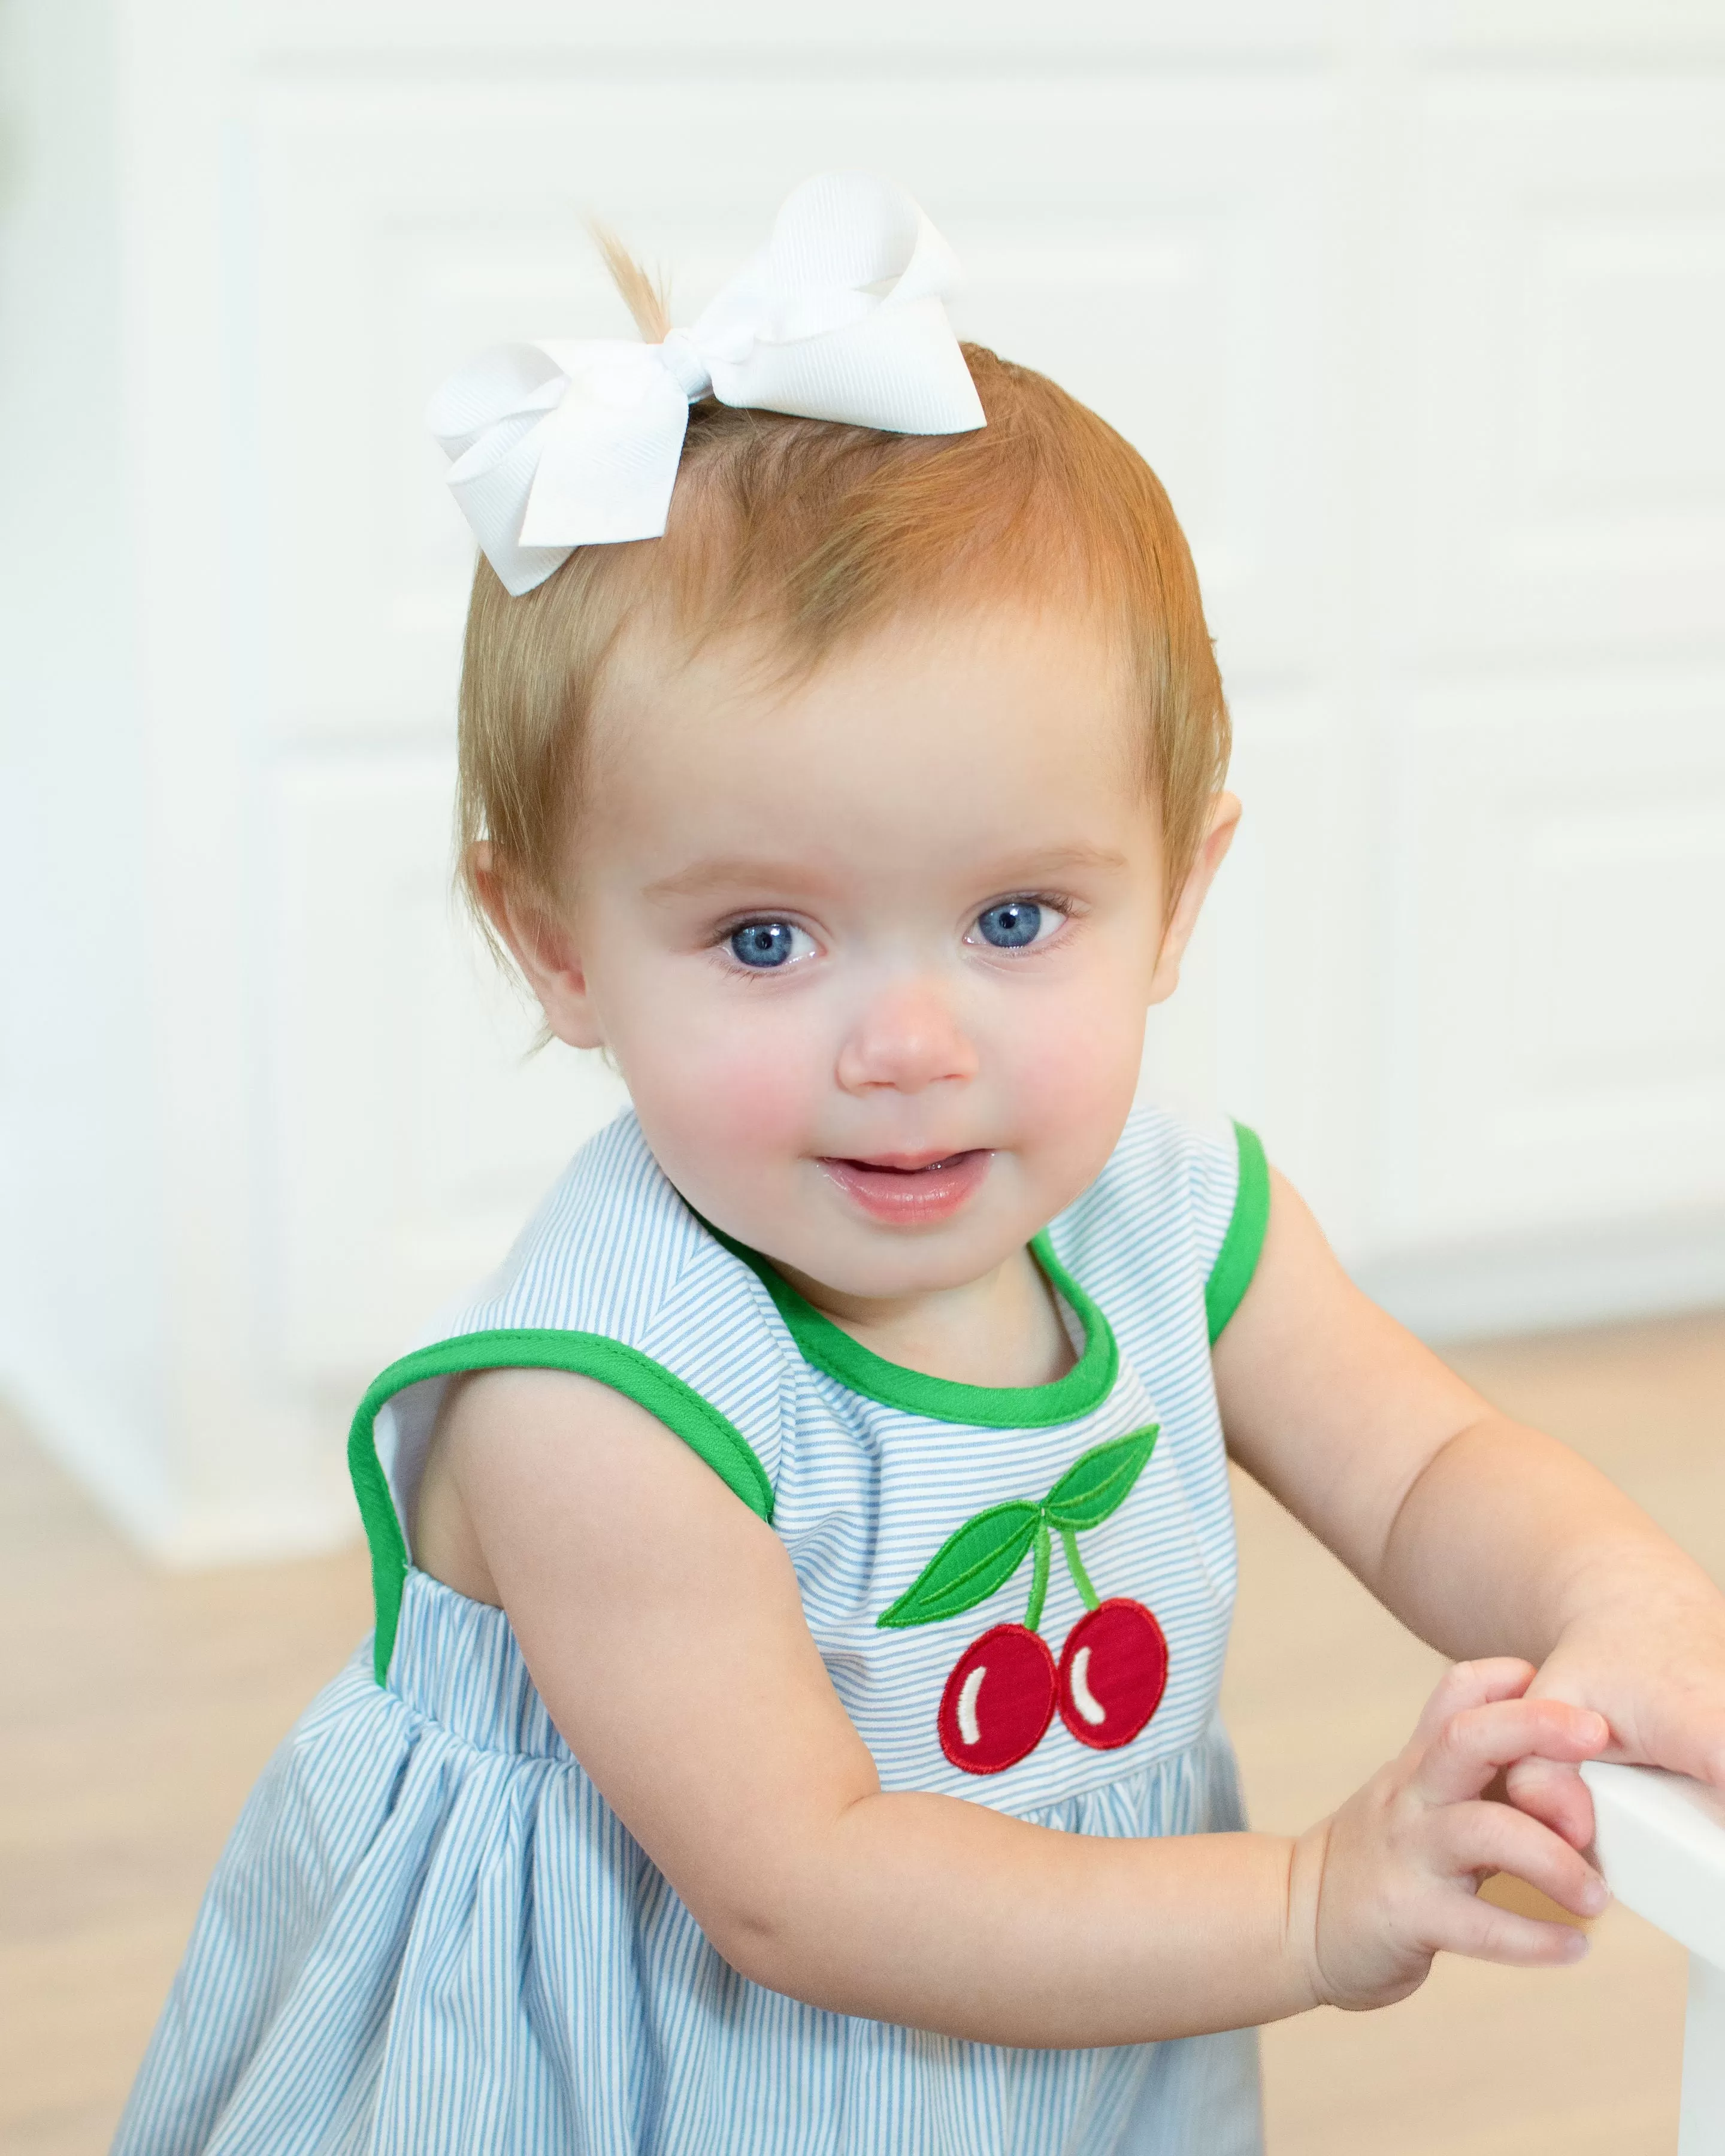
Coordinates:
[430,1936]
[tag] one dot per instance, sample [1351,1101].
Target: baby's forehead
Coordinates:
[1055,673]
[932,742]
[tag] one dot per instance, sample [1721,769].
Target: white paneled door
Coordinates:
[1419,313]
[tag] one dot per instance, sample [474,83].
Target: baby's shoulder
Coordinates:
[611,1244]
[1182,1205]
[616,1260]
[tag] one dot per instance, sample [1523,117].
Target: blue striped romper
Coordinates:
[429,1935]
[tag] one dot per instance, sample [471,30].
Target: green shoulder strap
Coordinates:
[626,1370]
[1237,1259]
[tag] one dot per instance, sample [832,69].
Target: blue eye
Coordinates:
[762,945]
[1011,925]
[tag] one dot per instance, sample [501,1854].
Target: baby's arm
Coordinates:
[662,1623]
[1483,1535]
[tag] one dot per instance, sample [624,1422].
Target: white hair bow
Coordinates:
[841,317]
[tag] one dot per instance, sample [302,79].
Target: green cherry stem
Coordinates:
[1039,1580]
[1081,1578]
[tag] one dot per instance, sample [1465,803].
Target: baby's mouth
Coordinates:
[910,1189]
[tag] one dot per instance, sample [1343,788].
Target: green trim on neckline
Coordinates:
[1237,1259]
[715,1440]
[860,1369]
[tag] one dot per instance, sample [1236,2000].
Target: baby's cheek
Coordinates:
[1079,1074]
[736,1097]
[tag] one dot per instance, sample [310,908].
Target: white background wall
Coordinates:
[1420,311]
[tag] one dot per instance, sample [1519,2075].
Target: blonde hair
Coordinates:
[812,535]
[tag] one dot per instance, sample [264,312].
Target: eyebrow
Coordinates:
[1050,860]
[702,877]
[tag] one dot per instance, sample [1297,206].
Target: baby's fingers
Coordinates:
[1473,1839]
[1472,1746]
[1485,1933]
[1555,1795]
[1473,1684]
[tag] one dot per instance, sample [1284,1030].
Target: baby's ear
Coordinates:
[1176,933]
[538,937]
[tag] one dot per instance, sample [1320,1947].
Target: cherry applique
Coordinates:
[1113,1672]
[1002,1692]
[998,1700]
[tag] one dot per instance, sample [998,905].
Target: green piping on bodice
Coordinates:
[718,1441]
[1065,1399]
[1237,1259]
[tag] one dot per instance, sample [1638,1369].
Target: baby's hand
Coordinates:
[1392,1877]
[1652,1661]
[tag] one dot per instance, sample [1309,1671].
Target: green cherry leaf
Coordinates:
[1098,1482]
[969,1566]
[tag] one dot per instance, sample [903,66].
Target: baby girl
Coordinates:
[804,1571]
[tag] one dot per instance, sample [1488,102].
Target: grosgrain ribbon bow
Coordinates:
[841,317]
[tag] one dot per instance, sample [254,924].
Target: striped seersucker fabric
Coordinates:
[430,1936]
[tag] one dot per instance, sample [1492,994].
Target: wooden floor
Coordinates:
[135,1708]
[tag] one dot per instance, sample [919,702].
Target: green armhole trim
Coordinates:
[1237,1259]
[831,1348]
[626,1370]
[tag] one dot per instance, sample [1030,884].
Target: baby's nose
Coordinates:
[907,1037]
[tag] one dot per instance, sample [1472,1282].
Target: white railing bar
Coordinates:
[1661,1841]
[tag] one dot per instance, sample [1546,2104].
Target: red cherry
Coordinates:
[998,1700]
[1113,1671]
